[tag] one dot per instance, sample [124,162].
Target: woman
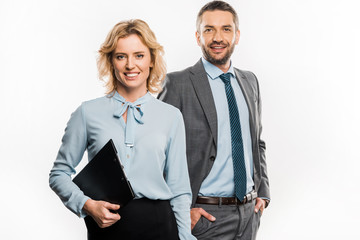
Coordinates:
[148,134]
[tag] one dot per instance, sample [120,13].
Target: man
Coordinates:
[221,107]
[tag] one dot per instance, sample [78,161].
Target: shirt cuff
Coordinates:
[267,201]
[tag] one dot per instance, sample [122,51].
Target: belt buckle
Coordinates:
[253,195]
[245,199]
[248,197]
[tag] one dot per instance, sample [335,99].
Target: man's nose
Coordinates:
[217,37]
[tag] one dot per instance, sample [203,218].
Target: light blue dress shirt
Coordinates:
[150,145]
[220,181]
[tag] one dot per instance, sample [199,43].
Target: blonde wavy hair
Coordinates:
[122,30]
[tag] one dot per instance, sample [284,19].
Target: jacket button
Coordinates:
[212,158]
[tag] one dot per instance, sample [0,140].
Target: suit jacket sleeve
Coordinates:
[263,189]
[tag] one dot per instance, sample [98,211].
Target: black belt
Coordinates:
[226,200]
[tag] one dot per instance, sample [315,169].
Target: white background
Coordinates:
[305,54]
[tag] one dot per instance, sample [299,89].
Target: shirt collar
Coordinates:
[138,101]
[213,71]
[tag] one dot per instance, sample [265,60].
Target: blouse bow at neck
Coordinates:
[134,114]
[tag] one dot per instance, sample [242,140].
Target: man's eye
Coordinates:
[208,30]
[227,29]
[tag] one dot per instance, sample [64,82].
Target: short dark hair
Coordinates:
[217,5]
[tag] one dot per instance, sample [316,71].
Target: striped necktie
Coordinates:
[236,140]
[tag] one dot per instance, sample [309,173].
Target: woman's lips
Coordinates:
[131,75]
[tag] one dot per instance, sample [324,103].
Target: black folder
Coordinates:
[103,178]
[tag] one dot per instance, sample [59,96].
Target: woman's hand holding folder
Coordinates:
[102,212]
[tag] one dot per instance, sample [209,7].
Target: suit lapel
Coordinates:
[247,90]
[203,91]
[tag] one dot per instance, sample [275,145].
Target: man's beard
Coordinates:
[215,61]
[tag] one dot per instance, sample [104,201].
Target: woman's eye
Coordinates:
[120,57]
[139,56]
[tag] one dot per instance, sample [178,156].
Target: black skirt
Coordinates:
[141,219]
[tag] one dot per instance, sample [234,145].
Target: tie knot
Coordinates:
[225,77]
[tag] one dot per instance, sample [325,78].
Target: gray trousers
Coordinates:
[232,222]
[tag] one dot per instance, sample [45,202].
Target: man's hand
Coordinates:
[196,214]
[260,205]
[100,212]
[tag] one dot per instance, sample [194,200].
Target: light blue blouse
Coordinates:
[150,145]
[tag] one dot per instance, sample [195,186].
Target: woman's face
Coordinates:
[132,62]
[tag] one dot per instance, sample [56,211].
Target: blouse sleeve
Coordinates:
[177,178]
[69,156]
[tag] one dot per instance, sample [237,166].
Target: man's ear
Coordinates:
[197,35]
[237,36]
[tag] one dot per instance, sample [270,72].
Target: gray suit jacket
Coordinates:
[189,90]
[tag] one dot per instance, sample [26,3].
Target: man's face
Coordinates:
[217,37]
